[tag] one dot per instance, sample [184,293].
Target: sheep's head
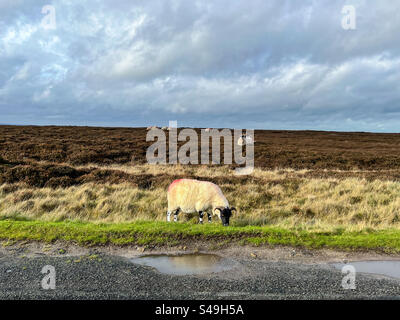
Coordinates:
[225,214]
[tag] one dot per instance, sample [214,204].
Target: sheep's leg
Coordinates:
[209,217]
[176,215]
[201,214]
[168,216]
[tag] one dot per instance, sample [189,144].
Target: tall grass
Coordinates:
[306,203]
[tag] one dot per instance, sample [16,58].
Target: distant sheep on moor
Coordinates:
[151,127]
[243,140]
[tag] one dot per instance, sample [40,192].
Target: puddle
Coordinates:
[386,268]
[185,264]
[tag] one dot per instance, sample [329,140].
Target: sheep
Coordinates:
[189,195]
[244,139]
[249,140]
[207,129]
[164,128]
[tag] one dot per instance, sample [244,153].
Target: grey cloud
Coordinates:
[271,64]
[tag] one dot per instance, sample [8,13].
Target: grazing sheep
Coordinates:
[189,195]
[164,128]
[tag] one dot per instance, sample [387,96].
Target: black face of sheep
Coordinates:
[225,215]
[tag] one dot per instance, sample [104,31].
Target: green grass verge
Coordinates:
[163,233]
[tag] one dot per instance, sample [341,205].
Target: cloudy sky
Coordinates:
[224,63]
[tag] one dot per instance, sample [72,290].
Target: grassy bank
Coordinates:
[163,233]
[285,207]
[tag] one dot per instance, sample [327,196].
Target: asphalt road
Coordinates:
[112,277]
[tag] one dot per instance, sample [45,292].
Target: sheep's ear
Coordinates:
[233,209]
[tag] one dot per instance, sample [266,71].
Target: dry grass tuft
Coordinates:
[283,198]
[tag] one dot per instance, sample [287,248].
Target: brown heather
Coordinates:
[273,149]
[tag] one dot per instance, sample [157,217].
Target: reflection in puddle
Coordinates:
[185,264]
[387,268]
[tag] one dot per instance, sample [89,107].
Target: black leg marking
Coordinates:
[209,217]
[201,214]
[176,215]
